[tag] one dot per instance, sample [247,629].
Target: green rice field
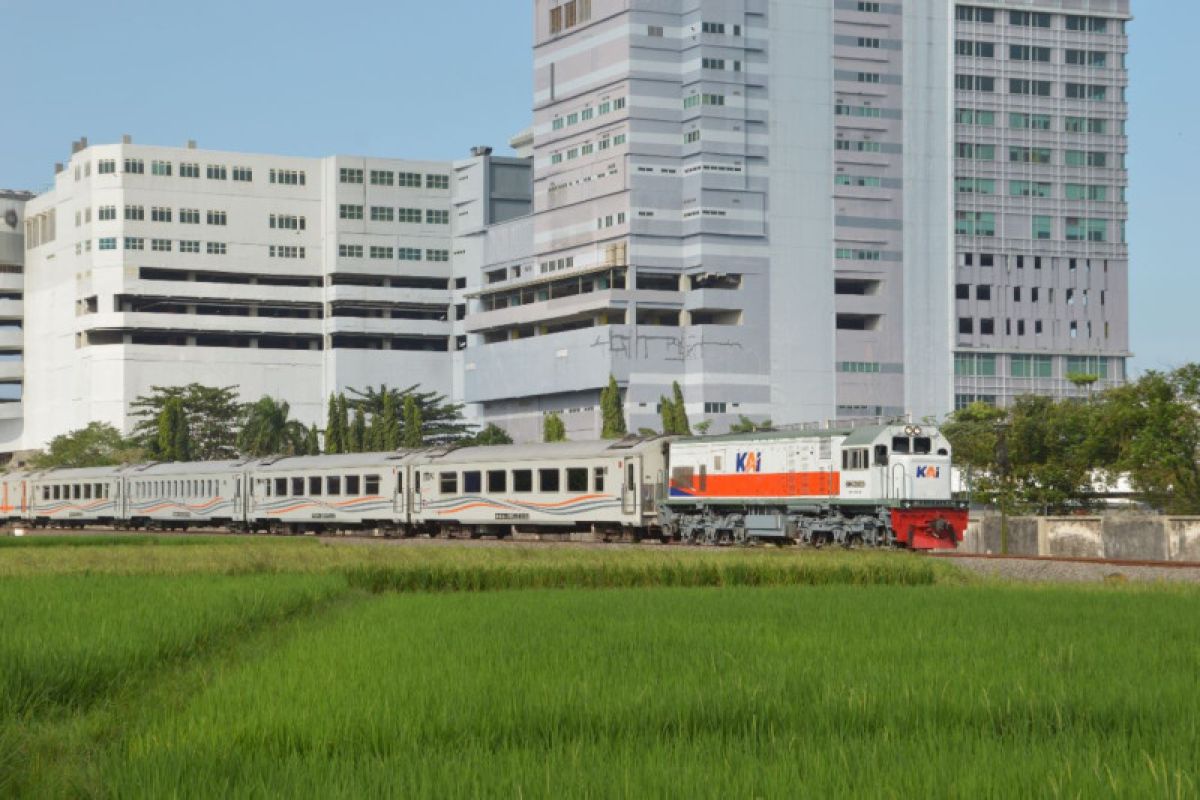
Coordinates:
[263,667]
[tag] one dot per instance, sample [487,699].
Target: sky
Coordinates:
[372,77]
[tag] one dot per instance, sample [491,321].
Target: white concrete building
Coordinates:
[12,313]
[159,266]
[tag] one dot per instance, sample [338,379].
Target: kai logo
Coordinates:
[748,462]
[929,472]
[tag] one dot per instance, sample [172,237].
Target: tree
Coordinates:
[356,439]
[682,428]
[747,425]
[414,424]
[269,431]
[612,412]
[666,412]
[553,428]
[491,435]
[312,443]
[385,426]
[213,415]
[343,419]
[97,445]
[335,427]
[441,421]
[174,438]
[703,427]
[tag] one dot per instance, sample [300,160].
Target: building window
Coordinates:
[106,166]
[412,215]
[1030,87]
[349,175]
[160,168]
[216,218]
[243,174]
[1043,227]
[437,217]
[189,216]
[716,408]
[350,251]
[350,211]
[135,243]
[1031,366]
[287,222]
[970,116]
[189,246]
[287,177]
[1080,158]
[383,178]
[412,180]
[1029,155]
[107,243]
[1088,24]
[975,14]
[1029,19]
[383,214]
[1036,122]
[1086,91]
[217,172]
[189,170]
[1028,189]
[160,245]
[975,223]
[382,252]
[135,213]
[160,214]
[1079,191]
[437,255]
[409,253]
[974,83]
[966,47]
[135,166]
[437,181]
[215,248]
[1025,52]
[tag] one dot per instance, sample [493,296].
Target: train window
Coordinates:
[297,487]
[522,480]
[87,491]
[497,481]
[881,455]
[943,451]
[472,482]
[314,486]
[353,482]
[371,485]
[717,463]
[854,458]
[598,479]
[212,488]
[577,480]
[704,477]
[46,493]
[630,478]
[399,482]
[333,485]
[922,445]
[900,444]
[78,492]
[680,476]
[281,487]
[548,480]
[448,482]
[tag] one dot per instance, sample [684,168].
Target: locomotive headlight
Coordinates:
[908,430]
[916,431]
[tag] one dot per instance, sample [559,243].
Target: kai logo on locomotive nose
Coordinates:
[748,462]
[929,472]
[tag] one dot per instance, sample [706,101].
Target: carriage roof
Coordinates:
[863,435]
[630,445]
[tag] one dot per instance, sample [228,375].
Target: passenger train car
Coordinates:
[883,485]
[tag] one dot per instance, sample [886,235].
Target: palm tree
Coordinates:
[267,430]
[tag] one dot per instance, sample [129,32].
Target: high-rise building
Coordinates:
[12,314]
[159,266]
[1041,280]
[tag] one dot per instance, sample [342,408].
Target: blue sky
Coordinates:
[371,77]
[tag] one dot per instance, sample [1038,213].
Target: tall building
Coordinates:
[159,266]
[12,336]
[1041,279]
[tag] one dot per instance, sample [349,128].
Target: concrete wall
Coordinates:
[1133,537]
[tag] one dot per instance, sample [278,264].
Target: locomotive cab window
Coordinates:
[881,455]
[855,458]
[522,480]
[922,445]
[497,481]
[900,445]
[472,482]
[448,482]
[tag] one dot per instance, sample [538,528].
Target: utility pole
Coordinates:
[1002,466]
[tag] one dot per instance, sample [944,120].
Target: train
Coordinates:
[885,485]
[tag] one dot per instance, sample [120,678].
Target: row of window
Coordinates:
[984,365]
[135,213]
[987,327]
[1040,19]
[380,177]
[983,292]
[694,100]
[1025,86]
[137,166]
[989,260]
[572,480]
[318,486]
[1040,155]
[569,14]
[432,216]
[156,245]
[1035,122]
[1025,52]
[77,491]
[588,148]
[206,489]
[587,113]
[1075,229]
[1039,189]
[389,253]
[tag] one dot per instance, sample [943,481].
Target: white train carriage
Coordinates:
[312,493]
[16,496]
[73,497]
[603,487]
[185,495]
[881,484]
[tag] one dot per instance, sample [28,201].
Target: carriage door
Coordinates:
[399,503]
[629,487]
[789,481]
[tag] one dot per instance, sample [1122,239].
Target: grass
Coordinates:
[108,540]
[255,667]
